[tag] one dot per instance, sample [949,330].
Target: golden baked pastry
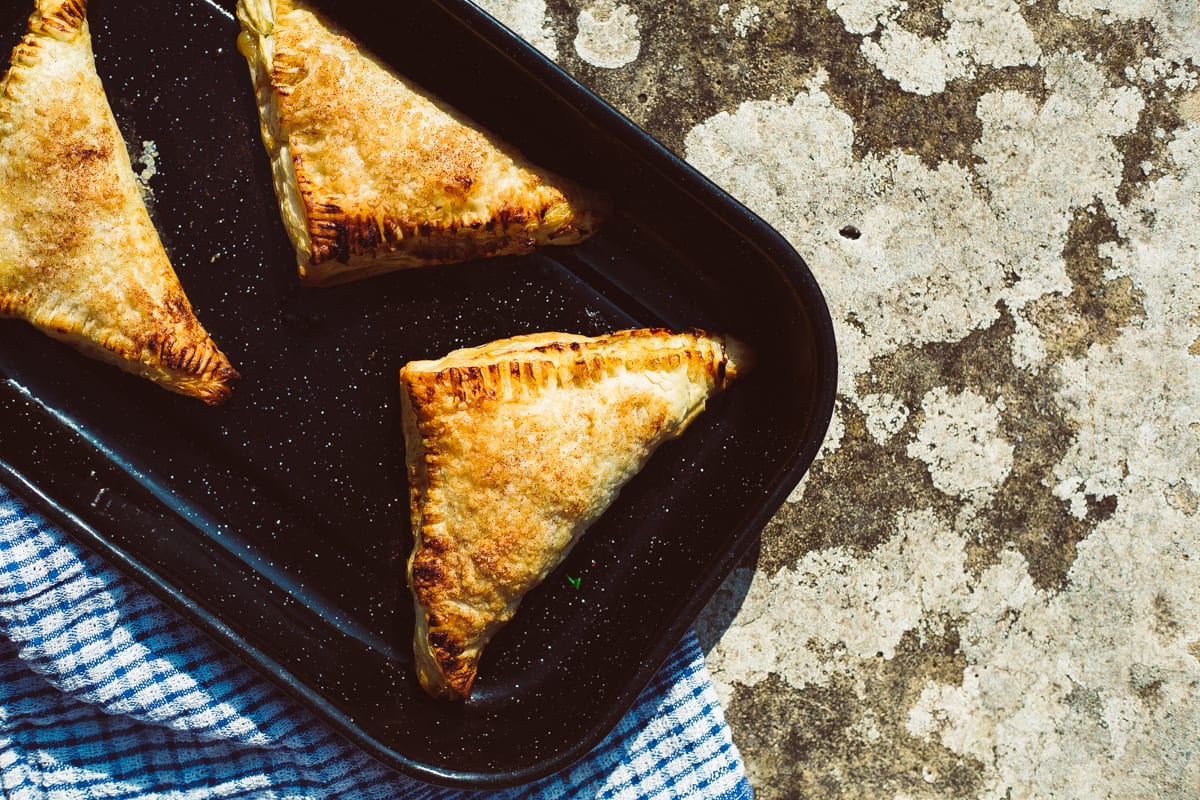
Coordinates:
[79,257]
[514,448]
[373,175]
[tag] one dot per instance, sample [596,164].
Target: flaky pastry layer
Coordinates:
[79,256]
[374,175]
[514,448]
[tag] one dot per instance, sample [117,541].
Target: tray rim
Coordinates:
[779,252]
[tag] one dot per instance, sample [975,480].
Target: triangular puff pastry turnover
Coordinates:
[79,256]
[374,175]
[514,448]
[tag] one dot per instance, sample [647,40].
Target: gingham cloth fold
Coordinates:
[107,693]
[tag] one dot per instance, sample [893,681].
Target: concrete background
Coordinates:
[987,585]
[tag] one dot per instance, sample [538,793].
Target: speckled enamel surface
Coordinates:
[985,587]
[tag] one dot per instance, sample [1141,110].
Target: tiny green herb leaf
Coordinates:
[575,582]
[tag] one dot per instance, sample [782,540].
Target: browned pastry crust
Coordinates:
[371,174]
[514,448]
[80,258]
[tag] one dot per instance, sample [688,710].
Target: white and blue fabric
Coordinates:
[107,693]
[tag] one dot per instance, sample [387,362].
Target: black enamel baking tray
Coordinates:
[279,521]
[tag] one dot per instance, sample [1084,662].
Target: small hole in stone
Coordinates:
[850,232]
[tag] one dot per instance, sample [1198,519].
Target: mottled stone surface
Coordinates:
[987,585]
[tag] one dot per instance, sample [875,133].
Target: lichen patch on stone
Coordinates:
[977,32]
[867,604]
[608,35]
[1176,23]
[885,415]
[1096,310]
[960,442]
[829,741]
[863,17]
[527,18]
[924,233]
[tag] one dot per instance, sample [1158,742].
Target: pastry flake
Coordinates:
[80,258]
[373,175]
[514,448]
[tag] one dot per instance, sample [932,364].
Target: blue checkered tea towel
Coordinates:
[107,693]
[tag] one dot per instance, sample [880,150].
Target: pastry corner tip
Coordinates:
[441,673]
[257,17]
[217,386]
[443,688]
